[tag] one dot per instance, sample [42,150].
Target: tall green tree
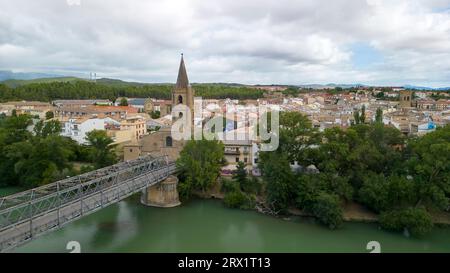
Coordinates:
[123,102]
[200,162]
[44,129]
[362,117]
[417,221]
[297,135]
[240,174]
[279,178]
[379,115]
[12,130]
[428,164]
[101,146]
[382,193]
[361,148]
[327,209]
[356,117]
[49,115]
[41,160]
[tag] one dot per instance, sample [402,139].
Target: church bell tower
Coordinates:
[182,93]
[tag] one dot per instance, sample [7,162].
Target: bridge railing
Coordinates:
[20,207]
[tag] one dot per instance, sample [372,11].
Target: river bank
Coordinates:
[352,212]
[206,225]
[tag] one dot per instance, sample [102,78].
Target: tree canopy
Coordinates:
[402,179]
[80,89]
[34,155]
[101,148]
[200,162]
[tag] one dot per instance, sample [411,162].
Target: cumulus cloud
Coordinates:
[249,41]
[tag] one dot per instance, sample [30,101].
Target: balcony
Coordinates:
[232,151]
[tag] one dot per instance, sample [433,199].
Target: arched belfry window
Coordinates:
[180,115]
[180,99]
[168,141]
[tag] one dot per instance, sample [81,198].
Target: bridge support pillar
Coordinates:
[163,195]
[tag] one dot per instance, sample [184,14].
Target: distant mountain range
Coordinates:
[413,87]
[333,85]
[15,83]
[14,79]
[329,86]
[7,75]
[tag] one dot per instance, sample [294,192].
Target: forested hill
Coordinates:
[73,88]
[105,81]
[18,82]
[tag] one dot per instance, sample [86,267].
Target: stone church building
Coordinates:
[161,142]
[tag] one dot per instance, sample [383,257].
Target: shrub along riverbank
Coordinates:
[351,211]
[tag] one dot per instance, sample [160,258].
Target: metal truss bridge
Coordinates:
[29,214]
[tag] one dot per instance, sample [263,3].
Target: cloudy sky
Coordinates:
[248,41]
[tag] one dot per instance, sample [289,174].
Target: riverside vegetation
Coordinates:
[30,158]
[404,180]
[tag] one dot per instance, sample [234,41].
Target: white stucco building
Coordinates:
[78,128]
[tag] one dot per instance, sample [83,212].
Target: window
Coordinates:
[180,115]
[237,159]
[180,99]
[131,150]
[245,160]
[168,141]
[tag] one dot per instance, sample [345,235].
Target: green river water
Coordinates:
[207,226]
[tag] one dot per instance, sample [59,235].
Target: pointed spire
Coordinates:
[182,80]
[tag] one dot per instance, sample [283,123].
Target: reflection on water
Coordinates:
[207,226]
[4,191]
